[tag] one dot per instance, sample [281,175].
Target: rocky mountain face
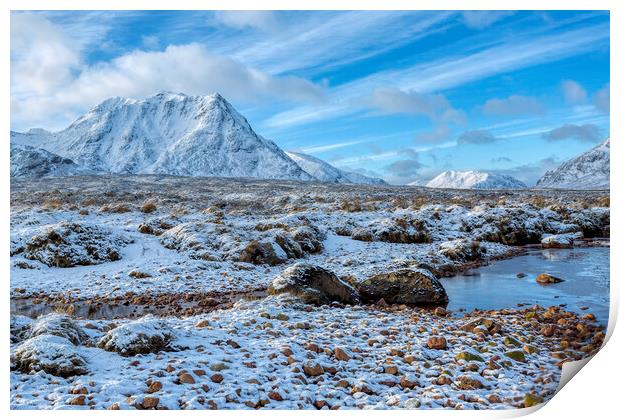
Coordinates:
[34,162]
[475,180]
[167,133]
[588,171]
[325,172]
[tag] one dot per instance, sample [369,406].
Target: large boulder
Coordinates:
[411,286]
[263,252]
[49,353]
[60,325]
[313,284]
[142,336]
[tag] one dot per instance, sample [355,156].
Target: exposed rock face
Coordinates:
[142,336]
[49,353]
[414,286]
[314,285]
[35,162]
[59,325]
[69,244]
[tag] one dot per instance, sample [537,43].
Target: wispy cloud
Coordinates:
[333,146]
[480,19]
[330,39]
[453,71]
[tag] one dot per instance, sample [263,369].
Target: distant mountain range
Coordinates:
[588,171]
[167,133]
[475,180]
[584,172]
[177,134]
[325,172]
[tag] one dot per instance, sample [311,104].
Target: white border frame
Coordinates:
[592,394]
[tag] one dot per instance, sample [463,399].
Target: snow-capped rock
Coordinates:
[584,172]
[167,133]
[51,354]
[34,162]
[325,172]
[475,180]
[142,336]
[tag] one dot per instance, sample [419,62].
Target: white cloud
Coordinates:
[480,19]
[574,93]
[438,134]
[513,105]
[265,20]
[476,137]
[585,132]
[51,85]
[433,106]
[601,99]
[42,57]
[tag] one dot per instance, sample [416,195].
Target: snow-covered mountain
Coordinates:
[475,180]
[325,172]
[167,133]
[584,172]
[34,162]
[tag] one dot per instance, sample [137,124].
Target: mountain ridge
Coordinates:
[590,170]
[168,133]
[325,172]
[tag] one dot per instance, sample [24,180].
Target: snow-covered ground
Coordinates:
[162,241]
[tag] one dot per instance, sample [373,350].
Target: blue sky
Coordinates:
[401,95]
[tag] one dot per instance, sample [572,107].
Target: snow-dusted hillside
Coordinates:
[474,180]
[167,133]
[325,172]
[587,171]
[33,162]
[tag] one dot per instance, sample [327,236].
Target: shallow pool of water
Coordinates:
[496,286]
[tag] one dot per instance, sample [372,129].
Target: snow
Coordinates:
[325,172]
[246,342]
[474,180]
[259,332]
[584,172]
